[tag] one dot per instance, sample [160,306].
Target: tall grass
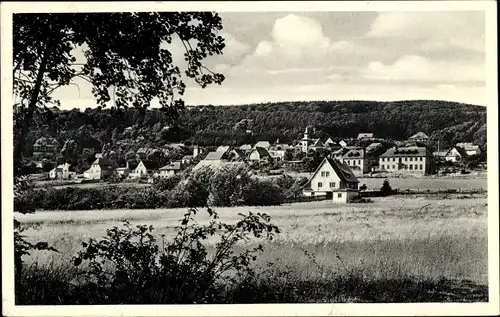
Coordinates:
[394,250]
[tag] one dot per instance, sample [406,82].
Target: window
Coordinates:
[394,159]
[320,184]
[394,167]
[339,195]
[382,166]
[411,159]
[322,174]
[406,159]
[359,162]
[327,174]
[411,166]
[421,167]
[421,158]
[332,184]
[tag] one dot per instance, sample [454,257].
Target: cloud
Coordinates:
[418,68]
[433,30]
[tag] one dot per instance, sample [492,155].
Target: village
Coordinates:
[339,163]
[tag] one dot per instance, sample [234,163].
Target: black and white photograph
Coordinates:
[195,157]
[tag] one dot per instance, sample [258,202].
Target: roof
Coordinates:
[215,164]
[239,152]
[318,142]
[354,154]
[373,145]
[105,163]
[176,165]
[280,146]
[186,157]
[419,135]
[151,165]
[365,135]
[341,169]
[263,144]
[440,153]
[460,151]
[46,141]
[262,152]
[329,140]
[405,152]
[246,147]
[214,156]
[222,148]
[467,146]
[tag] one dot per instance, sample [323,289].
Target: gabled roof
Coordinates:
[419,135]
[214,156]
[46,141]
[365,135]
[355,153]
[440,153]
[245,147]
[341,169]
[262,152]
[238,152]
[280,146]
[173,166]
[318,142]
[105,163]
[222,148]
[329,140]
[151,165]
[263,144]
[405,152]
[373,146]
[460,151]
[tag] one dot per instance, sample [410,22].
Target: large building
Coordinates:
[333,179]
[357,161]
[408,160]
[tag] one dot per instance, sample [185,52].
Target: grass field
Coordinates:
[427,183]
[429,238]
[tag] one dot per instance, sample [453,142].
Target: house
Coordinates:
[63,171]
[333,179]
[329,141]
[408,160]
[145,169]
[124,172]
[170,169]
[469,148]
[338,154]
[455,154]
[259,154]
[419,137]
[365,136]
[246,147]
[357,161]
[213,159]
[237,155]
[222,149]
[101,168]
[278,151]
[306,142]
[332,145]
[373,146]
[263,144]
[45,146]
[186,159]
[317,144]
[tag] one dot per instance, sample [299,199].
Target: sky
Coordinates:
[299,56]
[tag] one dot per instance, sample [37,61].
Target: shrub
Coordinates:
[386,189]
[179,271]
[164,184]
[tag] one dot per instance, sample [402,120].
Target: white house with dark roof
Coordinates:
[170,169]
[258,154]
[407,160]
[419,137]
[333,179]
[63,171]
[455,154]
[357,161]
[101,168]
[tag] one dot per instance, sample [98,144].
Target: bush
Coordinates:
[164,184]
[129,266]
[386,189]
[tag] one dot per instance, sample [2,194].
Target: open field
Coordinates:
[427,237]
[427,183]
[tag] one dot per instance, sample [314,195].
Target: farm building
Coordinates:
[469,148]
[63,171]
[145,169]
[101,168]
[170,169]
[259,154]
[408,160]
[333,179]
[455,154]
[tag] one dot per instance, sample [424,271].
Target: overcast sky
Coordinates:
[281,56]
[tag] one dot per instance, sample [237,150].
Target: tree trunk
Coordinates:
[26,119]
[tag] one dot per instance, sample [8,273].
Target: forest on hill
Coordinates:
[210,125]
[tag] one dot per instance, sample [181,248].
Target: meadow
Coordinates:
[417,239]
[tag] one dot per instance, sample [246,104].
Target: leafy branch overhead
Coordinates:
[127,55]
